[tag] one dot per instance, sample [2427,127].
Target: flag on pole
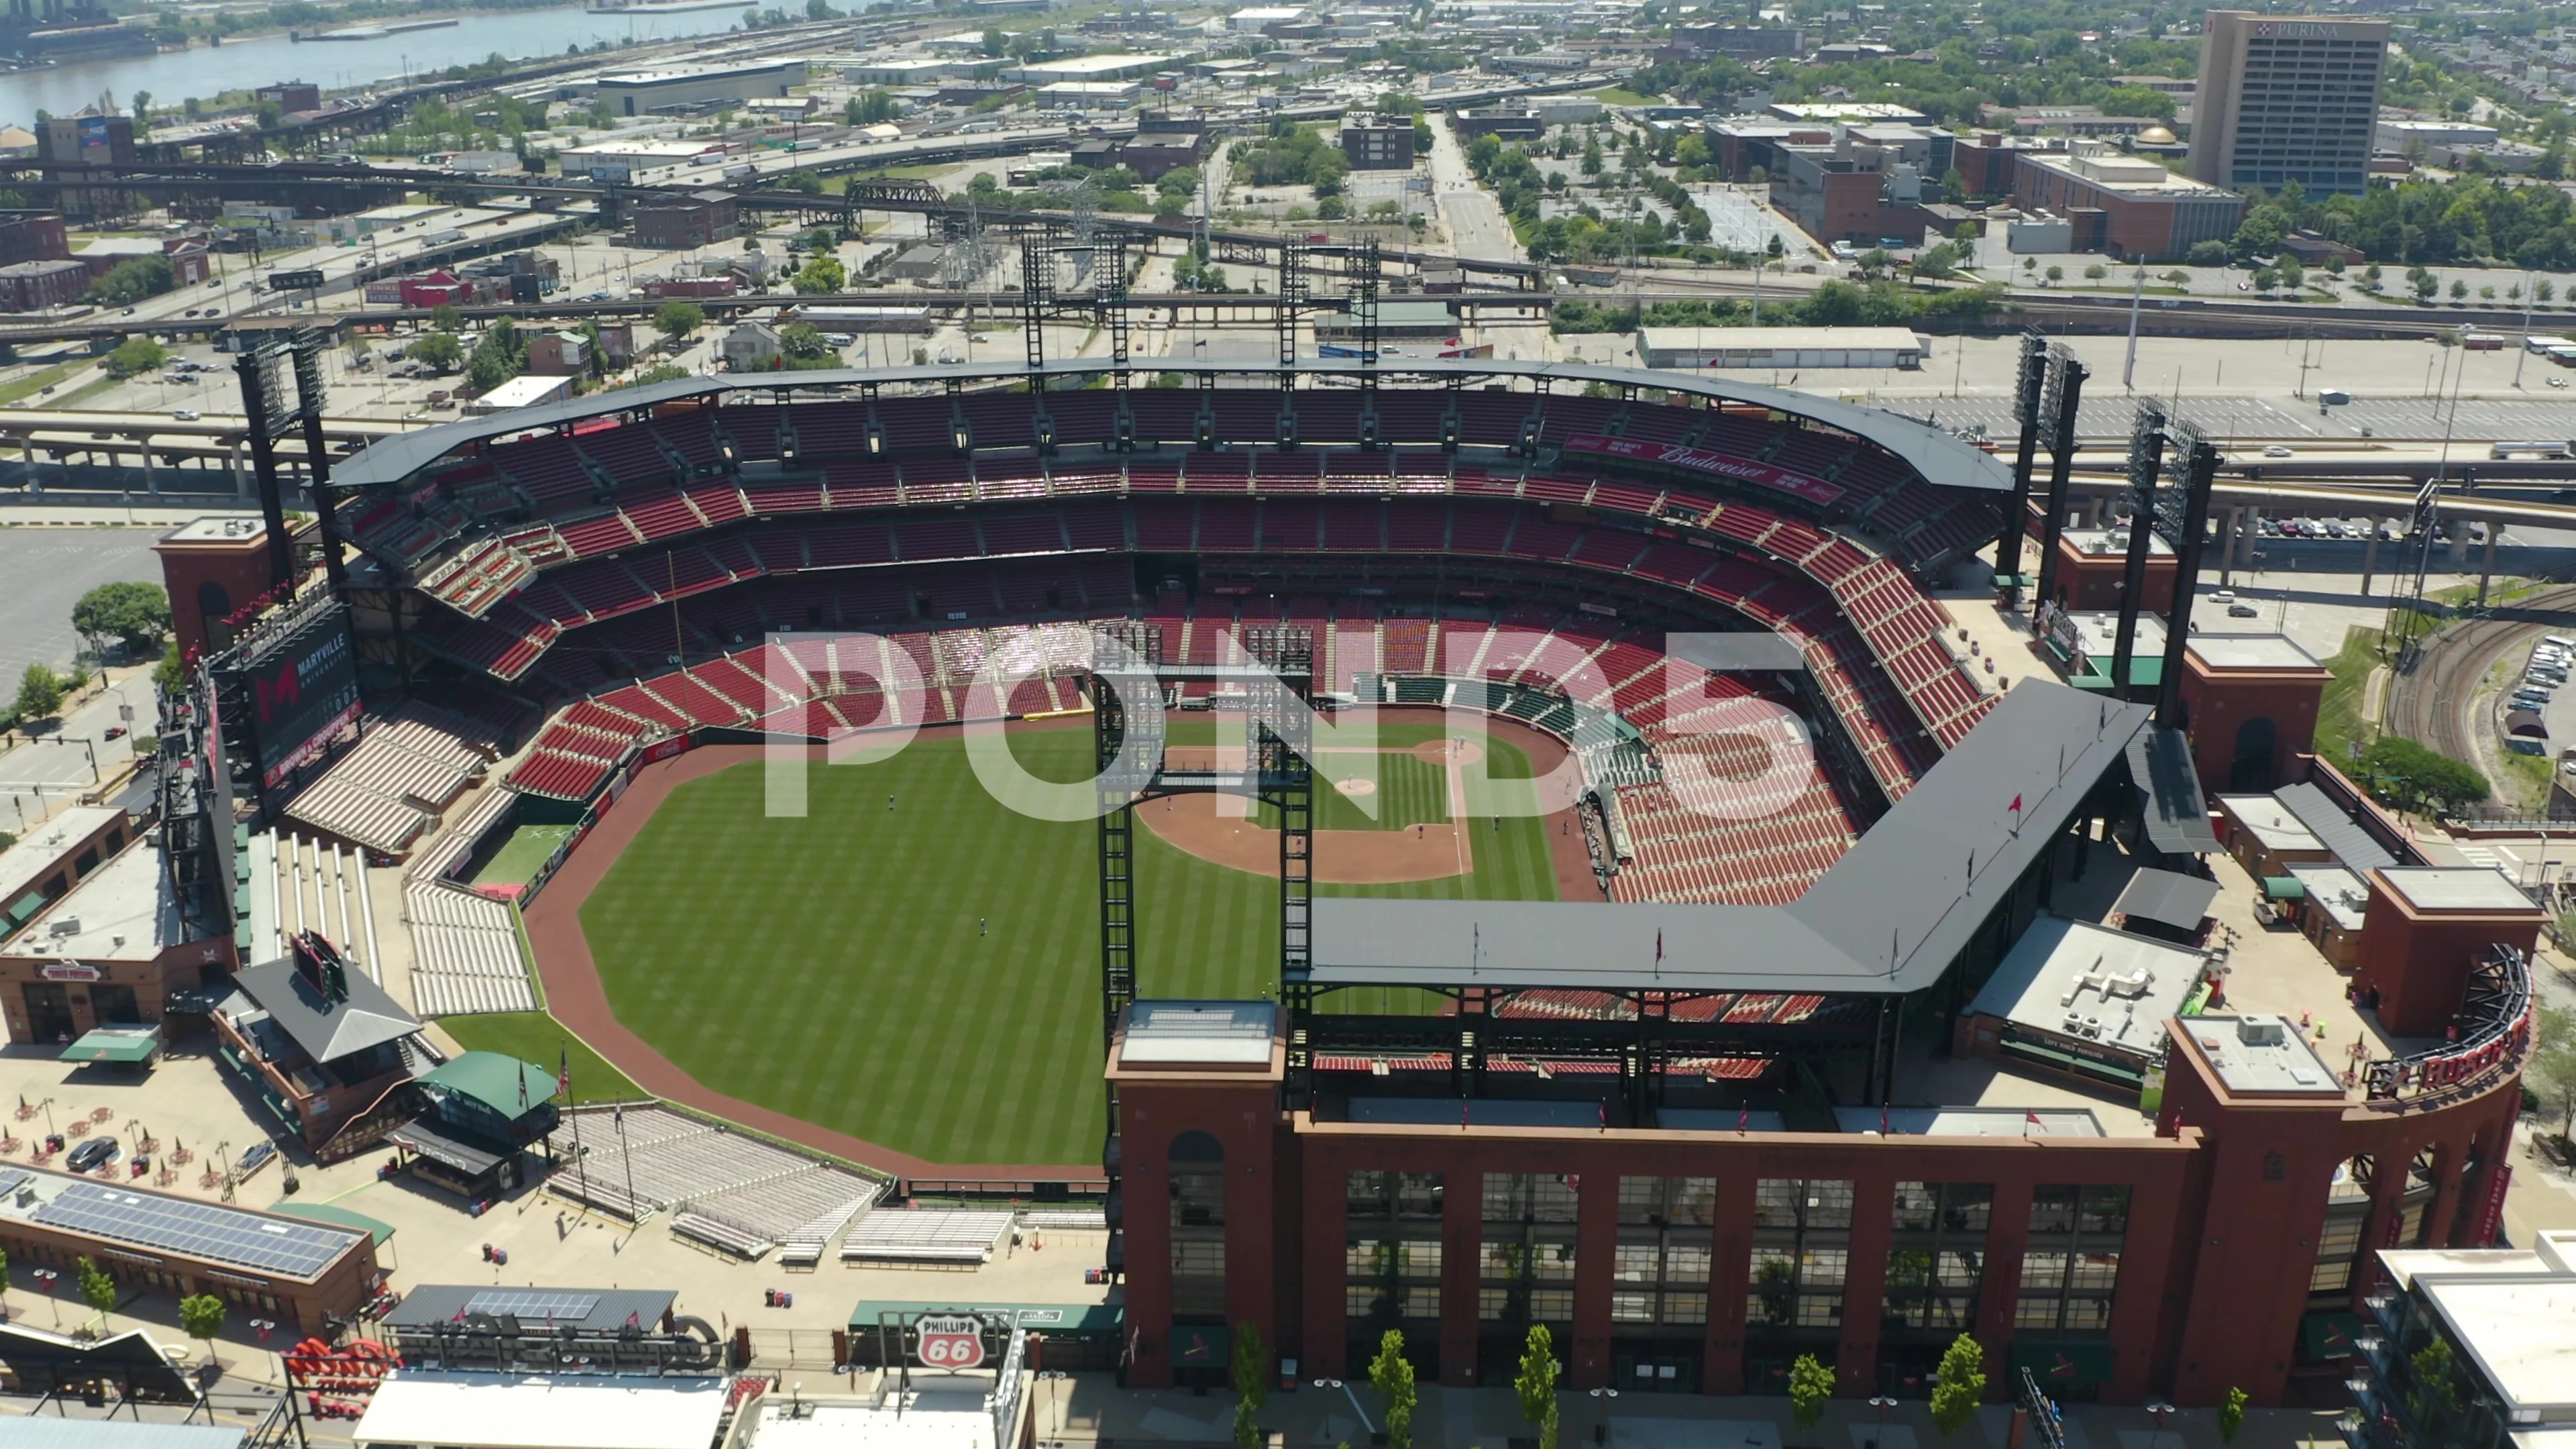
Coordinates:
[1882,1119]
[523,1090]
[2016,805]
[1742,1116]
[1659,947]
[563,1076]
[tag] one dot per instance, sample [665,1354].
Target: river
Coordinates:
[243,64]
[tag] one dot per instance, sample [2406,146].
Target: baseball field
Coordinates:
[926,976]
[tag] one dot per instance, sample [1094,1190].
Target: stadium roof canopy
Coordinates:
[1935,454]
[1887,919]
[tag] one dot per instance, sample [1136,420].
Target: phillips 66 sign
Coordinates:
[950,1341]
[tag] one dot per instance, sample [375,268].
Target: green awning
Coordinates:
[125,1048]
[2284,888]
[337,1217]
[25,909]
[2329,1333]
[498,1080]
[1199,1346]
[2061,1363]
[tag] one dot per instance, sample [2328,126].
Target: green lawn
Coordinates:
[1622,96]
[533,1036]
[873,1003]
[519,857]
[2339,720]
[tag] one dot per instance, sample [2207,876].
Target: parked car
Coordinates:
[96,1153]
[2242,610]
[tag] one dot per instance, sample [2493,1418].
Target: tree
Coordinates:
[2551,1072]
[129,282]
[2177,276]
[675,320]
[822,274]
[1811,1387]
[136,615]
[2416,775]
[499,357]
[2211,253]
[2096,272]
[804,342]
[871,109]
[446,317]
[201,1317]
[136,354]
[1251,1384]
[2543,291]
[2459,291]
[996,44]
[171,674]
[1959,1385]
[1536,1385]
[97,1289]
[40,692]
[437,351]
[2056,275]
[2231,1416]
[1391,1374]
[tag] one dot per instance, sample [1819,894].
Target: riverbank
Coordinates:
[271,54]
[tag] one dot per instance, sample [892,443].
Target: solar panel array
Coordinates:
[197,1229]
[10,1178]
[534,1304]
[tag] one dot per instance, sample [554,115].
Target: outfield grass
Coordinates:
[519,858]
[832,967]
[533,1036]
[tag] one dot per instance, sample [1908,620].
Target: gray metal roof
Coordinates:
[2326,821]
[2167,898]
[326,1030]
[1938,456]
[601,1309]
[2176,814]
[1888,918]
[43,1431]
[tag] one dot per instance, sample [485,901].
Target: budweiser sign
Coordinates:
[1717,465]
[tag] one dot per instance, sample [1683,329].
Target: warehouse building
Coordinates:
[696,87]
[1781,347]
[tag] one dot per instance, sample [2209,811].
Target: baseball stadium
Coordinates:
[1413,962]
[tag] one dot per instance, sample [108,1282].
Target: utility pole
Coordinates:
[2526,330]
[2137,298]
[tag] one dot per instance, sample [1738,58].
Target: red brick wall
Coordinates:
[2219,705]
[2419,964]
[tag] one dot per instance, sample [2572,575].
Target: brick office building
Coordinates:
[1681,1227]
[2181,1263]
[2122,205]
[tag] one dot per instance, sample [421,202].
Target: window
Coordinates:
[2071,1266]
[1393,1254]
[1801,1253]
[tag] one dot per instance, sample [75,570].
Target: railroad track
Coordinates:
[2430,703]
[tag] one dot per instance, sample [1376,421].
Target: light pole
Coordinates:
[1882,1403]
[2526,329]
[1355,1402]
[1601,1429]
[1056,1395]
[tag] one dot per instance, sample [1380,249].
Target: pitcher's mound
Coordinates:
[1356,788]
[1342,857]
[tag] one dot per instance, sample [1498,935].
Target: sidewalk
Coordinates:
[1310,1418]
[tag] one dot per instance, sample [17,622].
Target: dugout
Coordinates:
[1064,1336]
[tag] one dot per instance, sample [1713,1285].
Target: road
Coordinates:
[1475,220]
[40,773]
